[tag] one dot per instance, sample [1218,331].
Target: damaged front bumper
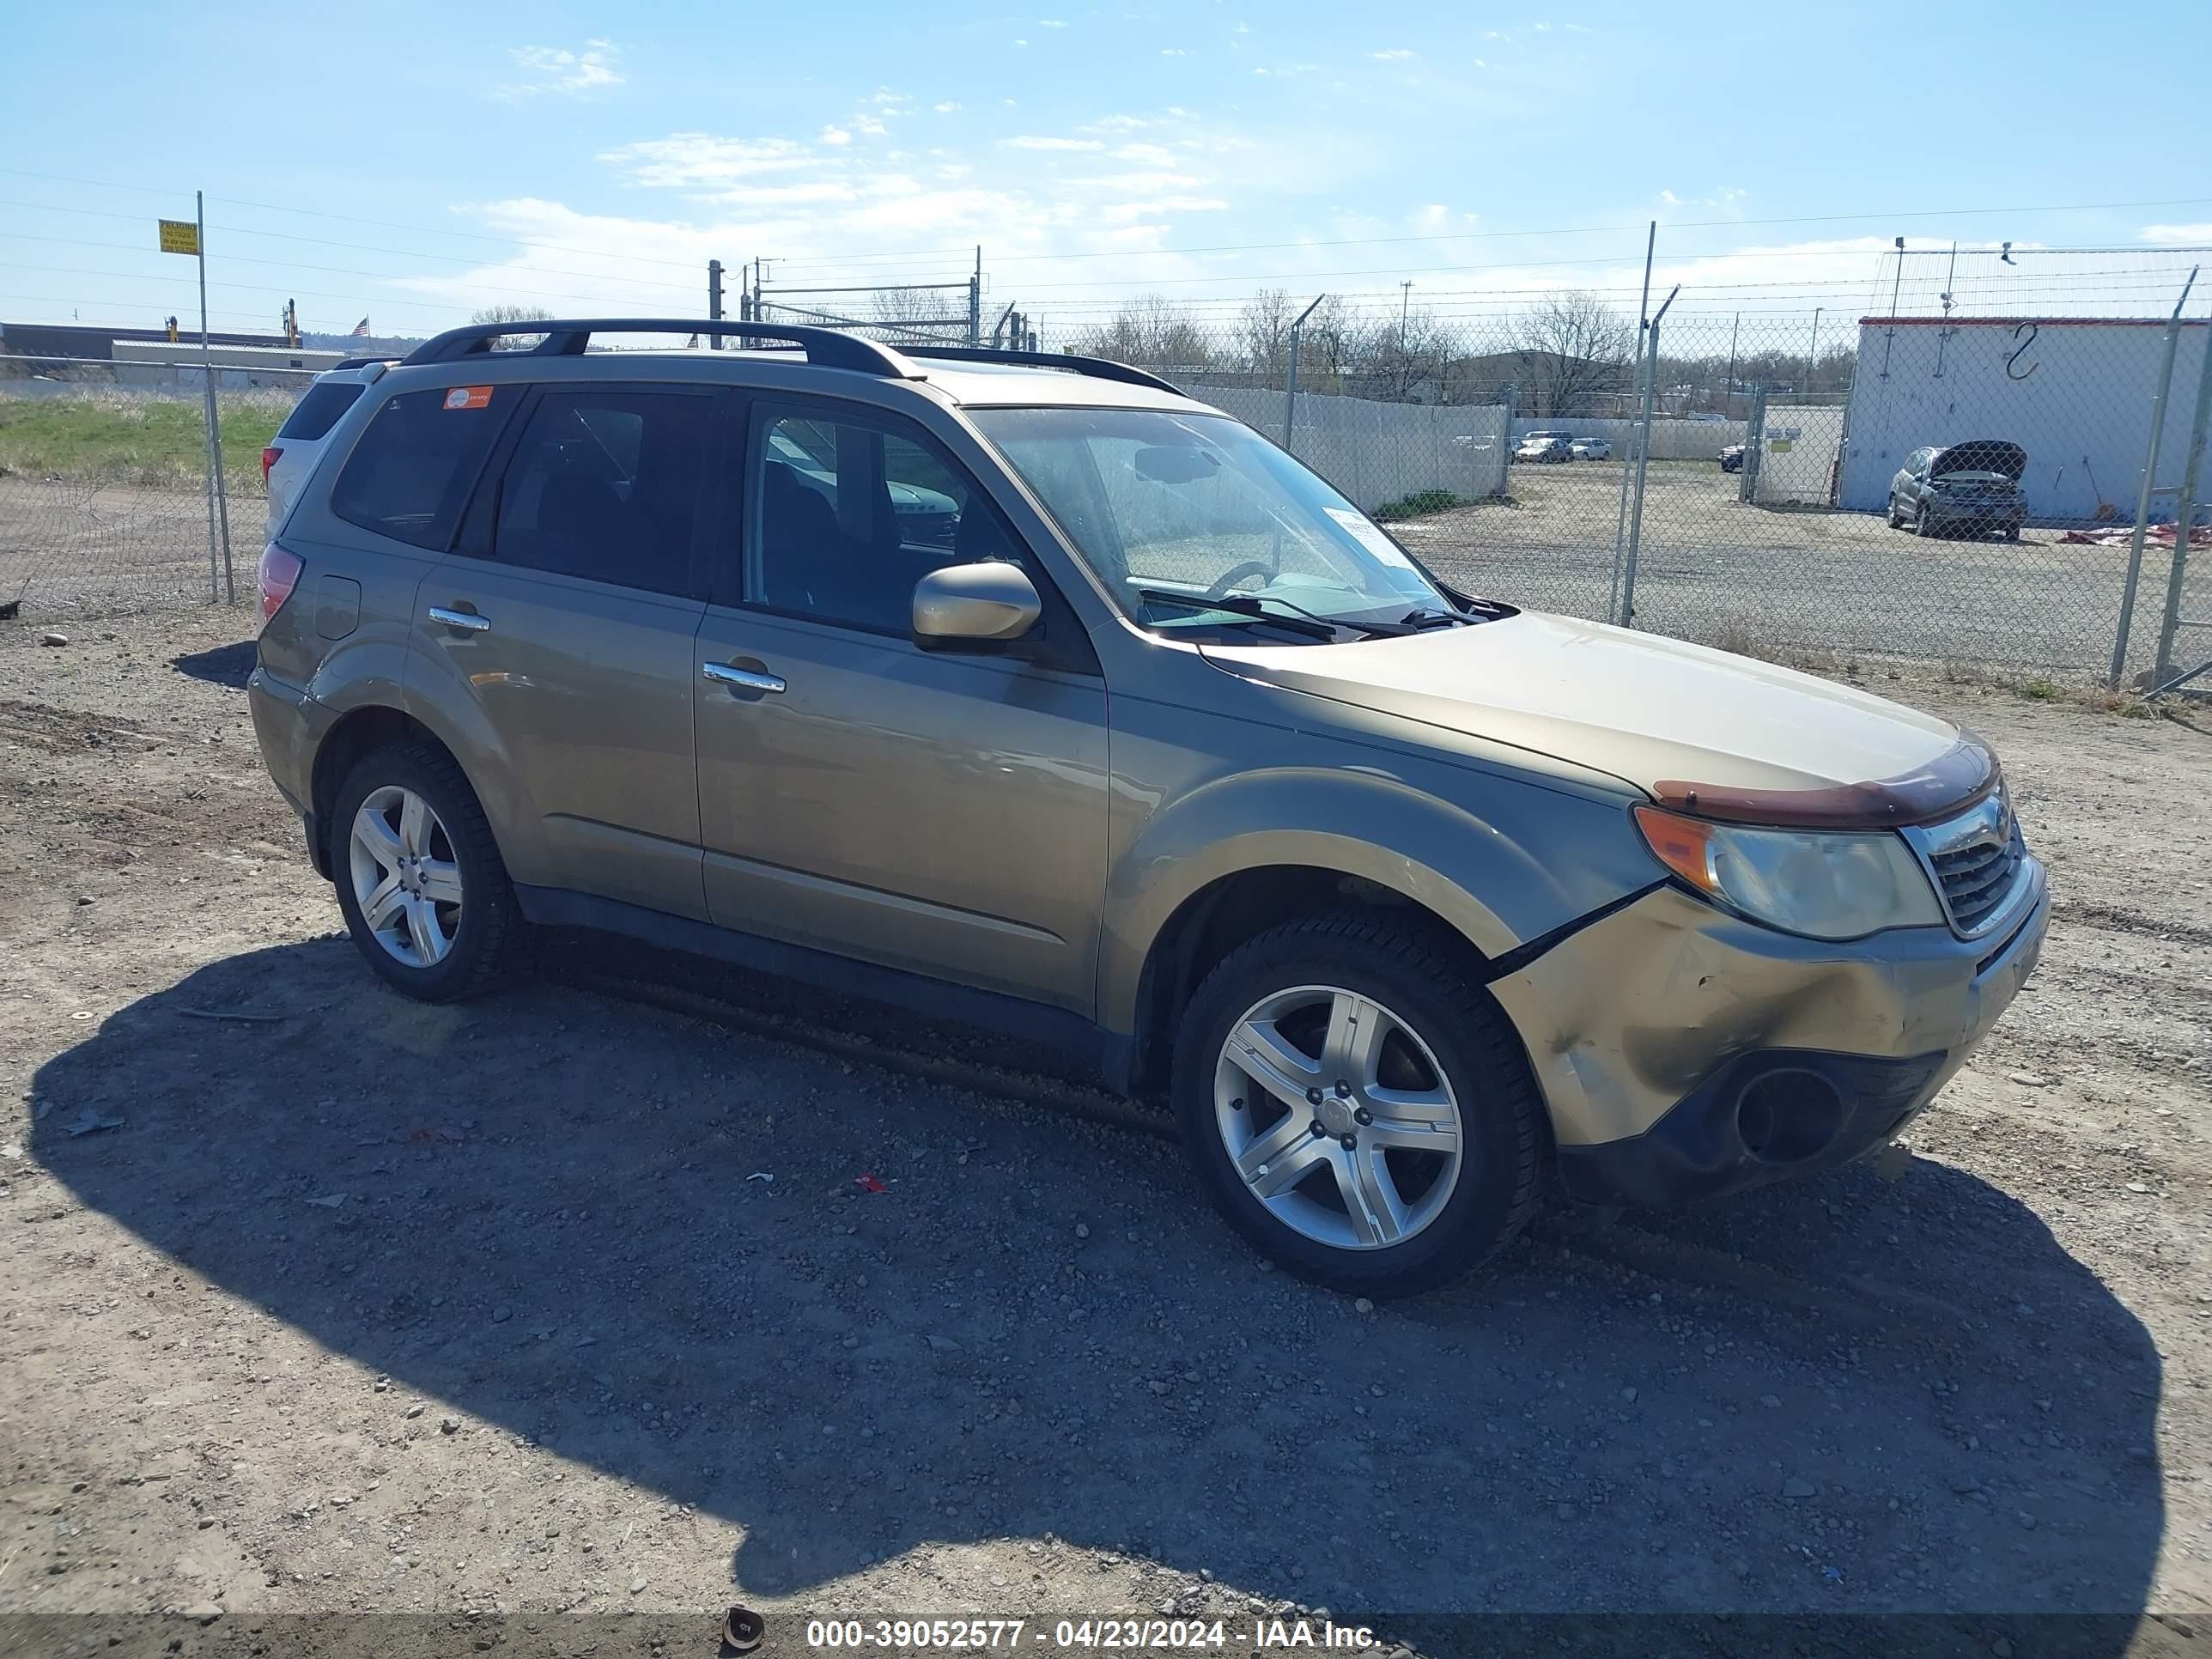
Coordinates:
[1684,1052]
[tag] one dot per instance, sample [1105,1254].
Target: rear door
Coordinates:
[557,637]
[936,812]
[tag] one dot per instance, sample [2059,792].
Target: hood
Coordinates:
[1722,736]
[1993,456]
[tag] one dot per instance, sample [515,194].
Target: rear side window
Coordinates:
[605,484]
[410,473]
[314,415]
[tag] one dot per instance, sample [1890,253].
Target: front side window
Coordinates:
[1171,510]
[848,515]
[606,484]
[412,470]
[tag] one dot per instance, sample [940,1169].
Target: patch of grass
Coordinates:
[149,442]
[1421,504]
[2041,690]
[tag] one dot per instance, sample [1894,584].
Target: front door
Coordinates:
[936,813]
[562,629]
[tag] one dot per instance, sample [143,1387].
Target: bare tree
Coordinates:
[1263,334]
[493,315]
[1575,347]
[923,314]
[1151,332]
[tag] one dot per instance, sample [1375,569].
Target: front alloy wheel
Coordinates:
[1337,1117]
[1356,1105]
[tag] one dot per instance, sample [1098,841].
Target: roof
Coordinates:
[2039,322]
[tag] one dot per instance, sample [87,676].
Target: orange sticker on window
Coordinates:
[469,397]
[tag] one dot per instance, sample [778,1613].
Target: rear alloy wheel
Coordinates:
[1895,523]
[1922,524]
[1356,1108]
[425,891]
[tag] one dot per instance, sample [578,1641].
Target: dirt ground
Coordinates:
[316,1301]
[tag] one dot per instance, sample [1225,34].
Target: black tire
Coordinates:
[1505,1129]
[1923,525]
[490,923]
[1895,523]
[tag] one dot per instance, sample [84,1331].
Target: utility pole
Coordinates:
[1812,351]
[976,301]
[714,302]
[1404,311]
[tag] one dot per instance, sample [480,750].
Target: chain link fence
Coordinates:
[1942,478]
[109,503]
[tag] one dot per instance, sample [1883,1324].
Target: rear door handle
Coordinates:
[467,621]
[744,678]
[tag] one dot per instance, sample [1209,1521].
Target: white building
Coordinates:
[2075,392]
[164,363]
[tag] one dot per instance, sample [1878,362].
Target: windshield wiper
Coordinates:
[1246,605]
[1255,605]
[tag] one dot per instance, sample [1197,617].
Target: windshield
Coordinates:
[1201,506]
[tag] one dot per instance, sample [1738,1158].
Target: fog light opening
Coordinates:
[1785,1117]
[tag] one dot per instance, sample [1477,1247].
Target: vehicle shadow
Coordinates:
[220,665]
[539,1209]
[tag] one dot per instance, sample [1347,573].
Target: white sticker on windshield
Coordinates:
[1371,538]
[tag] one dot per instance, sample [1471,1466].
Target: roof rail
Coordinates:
[1099,369]
[830,347]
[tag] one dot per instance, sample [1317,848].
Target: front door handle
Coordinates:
[744,679]
[467,621]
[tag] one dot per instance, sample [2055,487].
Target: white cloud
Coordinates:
[1052,22]
[869,125]
[1021,43]
[1173,52]
[1031,141]
[691,160]
[2174,234]
[836,135]
[947,107]
[556,70]
[1393,55]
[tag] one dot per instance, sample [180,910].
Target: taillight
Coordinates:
[280,574]
[269,460]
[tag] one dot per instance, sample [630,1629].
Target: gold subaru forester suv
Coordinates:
[1025,691]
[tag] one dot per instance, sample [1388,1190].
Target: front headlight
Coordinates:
[1822,883]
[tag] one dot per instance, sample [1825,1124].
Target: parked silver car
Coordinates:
[1960,490]
[1590,449]
[1411,903]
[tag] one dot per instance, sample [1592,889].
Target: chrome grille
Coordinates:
[1975,858]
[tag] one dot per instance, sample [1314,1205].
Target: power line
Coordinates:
[347,218]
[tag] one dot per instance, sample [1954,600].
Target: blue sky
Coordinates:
[411,162]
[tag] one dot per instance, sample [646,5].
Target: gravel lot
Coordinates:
[1803,581]
[349,1304]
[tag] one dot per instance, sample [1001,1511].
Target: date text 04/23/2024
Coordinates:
[1086,1635]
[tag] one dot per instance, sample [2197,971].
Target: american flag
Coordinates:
[361,329]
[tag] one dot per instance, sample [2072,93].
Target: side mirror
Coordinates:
[975,607]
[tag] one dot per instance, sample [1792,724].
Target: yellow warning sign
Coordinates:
[180,236]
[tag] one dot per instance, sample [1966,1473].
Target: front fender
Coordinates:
[1511,866]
